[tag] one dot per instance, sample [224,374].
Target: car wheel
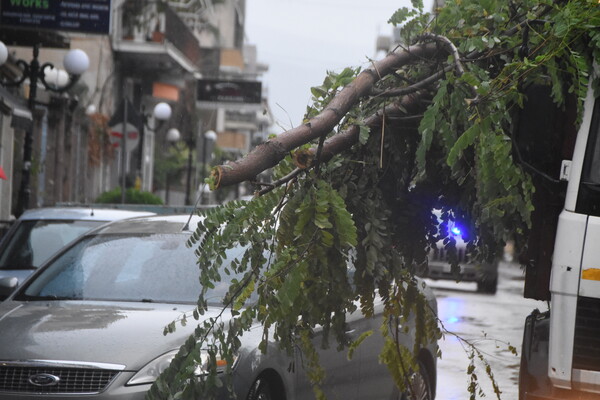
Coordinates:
[487,285]
[260,390]
[419,386]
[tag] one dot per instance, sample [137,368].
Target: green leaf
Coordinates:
[465,140]
[318,91]
[354,345]
[245,295]
[363,134]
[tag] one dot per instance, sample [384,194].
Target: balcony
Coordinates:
[149,35]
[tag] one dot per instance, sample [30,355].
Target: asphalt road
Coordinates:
[491,323]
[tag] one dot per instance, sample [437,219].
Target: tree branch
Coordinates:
[270,153]
[279,182]
[449,45]
[307,158]
[346,139]
[414,87]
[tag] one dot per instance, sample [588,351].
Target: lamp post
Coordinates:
[162,112]
[76,62]
[129,128]
[208,137]
[188,182]
[173,137]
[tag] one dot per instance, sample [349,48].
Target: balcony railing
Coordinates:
[150,21]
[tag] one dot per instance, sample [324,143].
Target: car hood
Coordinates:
[129,334]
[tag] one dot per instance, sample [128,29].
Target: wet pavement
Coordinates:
[491,323]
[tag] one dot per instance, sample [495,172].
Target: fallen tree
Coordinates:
[269,154]
[428,127]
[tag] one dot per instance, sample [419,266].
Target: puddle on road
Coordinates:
[461,319]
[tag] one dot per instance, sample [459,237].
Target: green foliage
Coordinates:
[132,196]
[172,164]
[332,84]
[342,233]
[355,344]
[474,388]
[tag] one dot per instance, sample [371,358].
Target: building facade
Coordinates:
[156,52]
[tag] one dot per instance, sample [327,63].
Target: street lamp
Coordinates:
[76,62]
[3,53]
[173,137]
[162,112]
[210,136]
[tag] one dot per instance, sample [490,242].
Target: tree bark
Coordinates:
[270,153]
[346,139]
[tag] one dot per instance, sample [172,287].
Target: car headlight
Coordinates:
[150,372]
[153,369]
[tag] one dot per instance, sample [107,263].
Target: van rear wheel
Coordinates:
[489,285]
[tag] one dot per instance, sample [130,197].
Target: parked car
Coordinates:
[485,274]
[89,325]
[40,232]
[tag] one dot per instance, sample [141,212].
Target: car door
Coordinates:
[375,381]
[341,375]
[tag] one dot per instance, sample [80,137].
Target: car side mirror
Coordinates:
[7,286]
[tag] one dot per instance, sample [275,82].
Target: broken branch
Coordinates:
[270,153]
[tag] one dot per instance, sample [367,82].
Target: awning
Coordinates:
[24,36]
[17,107]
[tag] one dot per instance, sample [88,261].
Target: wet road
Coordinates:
[491,323]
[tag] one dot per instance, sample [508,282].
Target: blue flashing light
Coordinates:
[456,231]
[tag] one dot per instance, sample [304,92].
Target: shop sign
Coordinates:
[90,16]
[229,91]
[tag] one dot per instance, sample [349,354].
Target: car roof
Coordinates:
[151,224]
[80,213]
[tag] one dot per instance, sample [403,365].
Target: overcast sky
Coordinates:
[301,40]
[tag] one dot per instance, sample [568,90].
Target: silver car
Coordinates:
[89,325]
[40,232]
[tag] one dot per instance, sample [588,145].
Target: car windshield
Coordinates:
[33,242]
[154,268]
